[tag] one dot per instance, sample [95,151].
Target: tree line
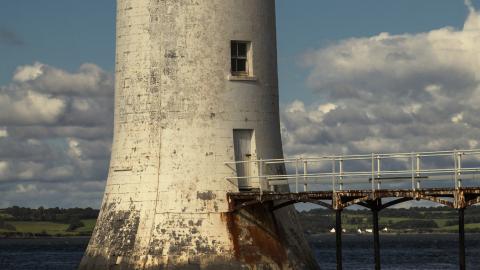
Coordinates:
[72,216]
[56,214]
[415,219]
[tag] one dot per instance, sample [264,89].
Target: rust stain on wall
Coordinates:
[265,244]
[253,242]
[229,218]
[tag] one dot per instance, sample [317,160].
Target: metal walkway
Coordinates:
[336,173]
[338,200]
[374,181]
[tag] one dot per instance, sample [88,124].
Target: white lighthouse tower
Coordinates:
[196,86]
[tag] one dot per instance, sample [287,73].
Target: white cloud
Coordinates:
[61,172]
[90,80]
[30,108]
[74,150]
[391,93]
[3,169]
[55,132]
[3,132]
[473,22]
[28,73]
[21,188]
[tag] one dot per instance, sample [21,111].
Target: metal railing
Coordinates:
[335,172]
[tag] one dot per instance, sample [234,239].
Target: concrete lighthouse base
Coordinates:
[257,239]
[181,114]
[252,238]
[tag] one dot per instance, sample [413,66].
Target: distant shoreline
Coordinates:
[34,236]
[27,223]
[47,237]
[311,236]
[391,234]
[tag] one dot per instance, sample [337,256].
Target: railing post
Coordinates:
[260,175]
[333,175]
[296,175]
[455,174]
[305,178]
[265,173]
[378,172]
[413,171]
[418,165]
[340,163]
[373,172]
[418,171]
[459,168]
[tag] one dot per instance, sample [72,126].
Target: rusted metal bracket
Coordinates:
[459,198]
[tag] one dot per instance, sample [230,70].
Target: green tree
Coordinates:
[74,224]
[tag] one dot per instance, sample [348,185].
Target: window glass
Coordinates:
[242,65]
[242,49]
[240,58]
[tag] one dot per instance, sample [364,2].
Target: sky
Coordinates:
[355,77]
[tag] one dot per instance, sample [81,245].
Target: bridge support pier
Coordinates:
[461,238]
[376,205]
[371,199]
[376,238]
[338,234]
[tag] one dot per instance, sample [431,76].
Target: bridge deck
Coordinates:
[452,197]
[374,181]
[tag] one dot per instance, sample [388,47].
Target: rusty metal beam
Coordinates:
[395,202]
[460,198]
[245,204]
[287,203]
[355,201]
[437,200]
[473,202]
[364,204]
[284,204]
[324,204]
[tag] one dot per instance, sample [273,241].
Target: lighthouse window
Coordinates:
[240,58]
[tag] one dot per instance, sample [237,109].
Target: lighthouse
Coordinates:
[196,87]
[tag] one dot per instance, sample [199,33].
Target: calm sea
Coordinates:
[425,252]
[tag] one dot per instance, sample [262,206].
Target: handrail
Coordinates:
[373,168]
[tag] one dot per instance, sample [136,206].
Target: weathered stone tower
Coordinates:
[196,85]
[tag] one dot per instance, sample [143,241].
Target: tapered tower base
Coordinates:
[183,109]
[256,240]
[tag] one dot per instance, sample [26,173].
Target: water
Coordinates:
[422,252]
[398,252]
[41,254]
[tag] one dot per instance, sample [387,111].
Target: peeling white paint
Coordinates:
[175,112]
